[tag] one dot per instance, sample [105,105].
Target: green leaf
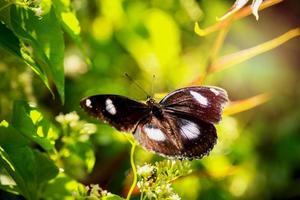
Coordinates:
[62,187]
[6,162]
[10,188]
[67,18]
[30,169]
[112,197]
[31,124]
[46,49]
[70,23]
[10,137]
[9,41]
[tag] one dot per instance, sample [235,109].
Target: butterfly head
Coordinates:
[150,100]
[155,108]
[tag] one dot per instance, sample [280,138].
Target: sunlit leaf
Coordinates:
[11,43]
[42,50]
[67,18]
[61,187]
[112,197]
[30,169]
[25,120]
[246,104]
[241,56]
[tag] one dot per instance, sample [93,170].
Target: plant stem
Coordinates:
[133,145]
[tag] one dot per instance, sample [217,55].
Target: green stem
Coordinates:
[133,145]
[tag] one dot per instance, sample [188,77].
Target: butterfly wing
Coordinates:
[122,113]
[176,136]
[204,103]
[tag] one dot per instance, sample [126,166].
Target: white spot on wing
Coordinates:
[154,133]
[109,106]
[190,130]
[88,103]
[201,99]
[216,92]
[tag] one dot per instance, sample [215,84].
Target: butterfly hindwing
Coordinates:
[176,136]
[120,112]
[204,103]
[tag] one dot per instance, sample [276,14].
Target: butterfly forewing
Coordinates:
[120,112]
[204,103]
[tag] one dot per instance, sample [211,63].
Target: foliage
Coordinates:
[53,53]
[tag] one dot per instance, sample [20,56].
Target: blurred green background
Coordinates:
[258,152]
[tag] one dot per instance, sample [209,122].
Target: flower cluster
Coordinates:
[155,180]
[92,192]
[71,122]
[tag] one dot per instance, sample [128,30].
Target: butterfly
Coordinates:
[180,126]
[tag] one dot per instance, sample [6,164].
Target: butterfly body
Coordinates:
[180,126]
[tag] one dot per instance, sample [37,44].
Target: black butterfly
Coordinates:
[179,126]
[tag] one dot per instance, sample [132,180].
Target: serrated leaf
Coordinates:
[45,49]
[241,56]
[246,104]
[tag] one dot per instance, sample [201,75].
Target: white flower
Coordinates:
[145,170]
[238,4]
[67,118]
[174,197]
[88,128]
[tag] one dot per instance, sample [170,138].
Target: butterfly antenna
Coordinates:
[138,85]
[152,86]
